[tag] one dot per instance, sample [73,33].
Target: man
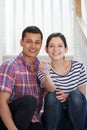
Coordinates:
[20,93]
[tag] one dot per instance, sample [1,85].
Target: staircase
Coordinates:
[80,42]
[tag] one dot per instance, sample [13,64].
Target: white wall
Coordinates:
[49,15]
[2,29]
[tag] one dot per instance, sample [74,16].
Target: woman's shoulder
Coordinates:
[76,62]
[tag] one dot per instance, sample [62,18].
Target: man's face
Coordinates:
[31,44]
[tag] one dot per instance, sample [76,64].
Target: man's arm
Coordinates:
[5,112]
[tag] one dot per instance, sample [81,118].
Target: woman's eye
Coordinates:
[51,46]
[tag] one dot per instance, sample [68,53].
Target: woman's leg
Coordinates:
[52,112]
[77,109]
[86,117]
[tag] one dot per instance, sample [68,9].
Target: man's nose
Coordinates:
[33,44]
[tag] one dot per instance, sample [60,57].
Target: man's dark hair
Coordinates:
[31,29]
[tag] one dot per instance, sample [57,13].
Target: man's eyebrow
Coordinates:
[38,40]
[27,39]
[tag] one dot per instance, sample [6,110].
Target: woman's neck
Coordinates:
[62,66]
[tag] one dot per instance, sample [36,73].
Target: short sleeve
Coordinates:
[40,76]
[6,77]
[83,76]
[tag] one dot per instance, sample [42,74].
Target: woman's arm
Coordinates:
[82,89]
[46,81]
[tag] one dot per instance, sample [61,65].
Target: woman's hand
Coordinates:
[44,67]
[47,81]
[61,96]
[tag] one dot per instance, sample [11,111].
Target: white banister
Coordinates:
[80,42]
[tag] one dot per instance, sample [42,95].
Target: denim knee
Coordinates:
[86,117]
[77,98]
[77,109]
[50,98]
[52,111]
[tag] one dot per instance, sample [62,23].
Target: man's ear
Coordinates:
[46,49]
[21,42]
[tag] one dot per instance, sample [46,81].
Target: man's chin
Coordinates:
[33,56]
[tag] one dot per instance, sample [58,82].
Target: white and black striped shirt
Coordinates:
[69,81]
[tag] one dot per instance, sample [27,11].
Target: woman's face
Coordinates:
[56,49]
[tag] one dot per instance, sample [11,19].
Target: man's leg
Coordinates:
[36,126]
[22,110]
[2,126]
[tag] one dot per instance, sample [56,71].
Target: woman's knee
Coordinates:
[52,102]
[77,98]
[50,98]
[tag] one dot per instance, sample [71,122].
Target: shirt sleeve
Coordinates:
[6,77]
[40,76]
[83,76]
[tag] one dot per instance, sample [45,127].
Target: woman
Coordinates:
[65,80]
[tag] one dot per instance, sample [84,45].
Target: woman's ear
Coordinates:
[46,49]
[66,49]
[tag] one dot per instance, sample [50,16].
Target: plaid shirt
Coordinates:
[17,79]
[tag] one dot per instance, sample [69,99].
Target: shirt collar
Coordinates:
[36,62]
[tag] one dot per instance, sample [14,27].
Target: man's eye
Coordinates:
[28,41]
[37,42]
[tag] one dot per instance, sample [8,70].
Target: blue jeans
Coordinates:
[86,118]
[69,115]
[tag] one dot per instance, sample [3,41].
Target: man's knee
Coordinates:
[29,101]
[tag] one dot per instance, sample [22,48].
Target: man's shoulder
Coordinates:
[13,61]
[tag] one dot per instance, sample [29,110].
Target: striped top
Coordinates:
[74,78]
[17,79]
